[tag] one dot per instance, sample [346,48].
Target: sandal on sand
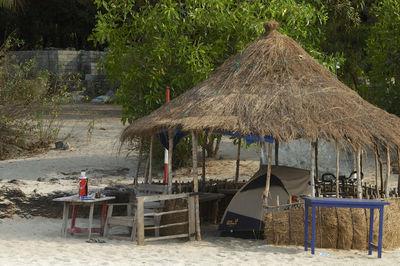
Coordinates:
[94,240]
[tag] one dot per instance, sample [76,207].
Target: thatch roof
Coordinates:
[274,88]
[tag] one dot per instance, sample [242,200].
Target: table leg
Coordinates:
[306,227]
[103,217]
[90,219]
[65,219]
[73,220]
[380,232]
[313,231]
[371,230]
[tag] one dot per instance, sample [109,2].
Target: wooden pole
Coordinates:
[387,179]
[150,180]
[376,175]
[316,159]
[238,161]
[136,180]
[337,169]
[203,169]
[398,170]
[276,152]
[312,170]
[268,179]
[359,187]
[170,151]
[196,185]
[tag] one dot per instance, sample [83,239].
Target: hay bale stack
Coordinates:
[345,228]
[281,227]
[296,226]
[360,229]
[171,205]
[329,227]
[269,228]
[391,225]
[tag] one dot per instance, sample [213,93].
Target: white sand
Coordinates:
[38,241]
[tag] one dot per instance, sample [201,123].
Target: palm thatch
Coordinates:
[275,88]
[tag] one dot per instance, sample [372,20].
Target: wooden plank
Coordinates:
[167,237]
[165,225]
[268,181]
[191,218]
[140,221]
[151,188]
[163,197]
[164,213]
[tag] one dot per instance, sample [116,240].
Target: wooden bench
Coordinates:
[130,220]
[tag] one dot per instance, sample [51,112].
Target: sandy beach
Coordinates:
[35,240]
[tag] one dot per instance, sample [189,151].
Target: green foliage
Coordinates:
[179,43]
[383,50]
[30,101]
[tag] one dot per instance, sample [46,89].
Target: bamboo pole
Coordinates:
[316,159]
[312,170]
[150,179]
[170,151]
[196,185]
[238,161]
[268,179]
[337,169]
[136,180]
[276,152]
[387,179]
[262,152]
[376,175]
[380,169]
[359,187]
[398,170]
[203,169]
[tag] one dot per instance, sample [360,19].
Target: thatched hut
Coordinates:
[275,88]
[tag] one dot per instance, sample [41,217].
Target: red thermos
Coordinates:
[83,185]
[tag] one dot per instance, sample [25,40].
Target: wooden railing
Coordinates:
[140,214]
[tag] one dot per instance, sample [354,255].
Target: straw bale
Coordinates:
[280,221]
[170,205]
[296,221]
[391,226]
[360,229]
[345,228]
[269,228]
[329,227]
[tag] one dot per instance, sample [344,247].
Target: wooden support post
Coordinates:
[337,169]
[140,221]
[376,175]
[136,180]
[192,218]
[196,185]
[312,170]
[238,161]
[150,179]
[398,170]
[388,170]
[268,178]
[146,171]
[170,151]
[203,169]
[276,152]
[359,187]
[316,159]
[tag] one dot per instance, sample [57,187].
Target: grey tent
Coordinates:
[244,214]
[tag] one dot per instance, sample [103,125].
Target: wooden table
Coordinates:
[344,203]
[76,201]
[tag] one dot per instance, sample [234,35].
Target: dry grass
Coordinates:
[274,88]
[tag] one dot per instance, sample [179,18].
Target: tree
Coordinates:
[179,43]
[383,56]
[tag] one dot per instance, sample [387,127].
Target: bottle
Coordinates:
[83,185]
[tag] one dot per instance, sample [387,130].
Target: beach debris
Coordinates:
[61,145]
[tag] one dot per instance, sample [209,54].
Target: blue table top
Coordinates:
[344,201]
